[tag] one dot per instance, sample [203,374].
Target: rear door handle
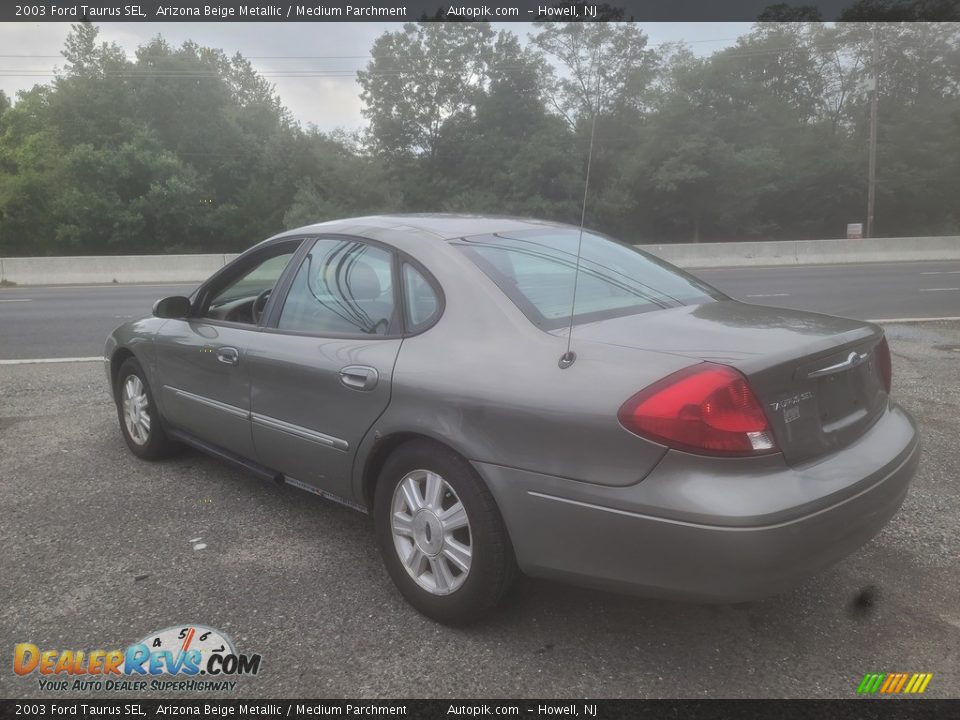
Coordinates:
[228,355]
[359,377]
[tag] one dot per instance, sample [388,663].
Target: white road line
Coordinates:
[771,295]
[910,320]
[938,289]
[941,272]
[129,286]
[36,361]
[813,266]
[18,300]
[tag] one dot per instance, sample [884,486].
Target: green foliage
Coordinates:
[185,149]
[605,66]
[419,77]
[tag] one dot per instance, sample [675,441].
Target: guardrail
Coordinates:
[105,269]
[808,252]
[90,270]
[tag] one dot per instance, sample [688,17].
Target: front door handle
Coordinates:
[228,355]
[359,377]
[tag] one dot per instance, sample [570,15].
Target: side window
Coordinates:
[235,301]
[422,303]
[342,287]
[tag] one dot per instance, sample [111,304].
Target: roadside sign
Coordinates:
[854,231]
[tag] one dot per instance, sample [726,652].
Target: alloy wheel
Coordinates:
[431,532]
[136,409]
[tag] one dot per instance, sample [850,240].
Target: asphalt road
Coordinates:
[100,549]
[47,322]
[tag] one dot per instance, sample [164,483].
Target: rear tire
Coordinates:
[138,414]
[441,534]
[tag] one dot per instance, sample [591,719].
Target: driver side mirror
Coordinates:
[173,307]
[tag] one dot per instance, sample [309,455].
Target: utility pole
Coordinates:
[872,170]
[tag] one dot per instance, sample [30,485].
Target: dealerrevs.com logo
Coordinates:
[182,658]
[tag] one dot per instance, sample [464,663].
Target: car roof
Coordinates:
[428,225]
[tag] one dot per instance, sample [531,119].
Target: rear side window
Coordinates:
[536,269]
[343,287]
[422,303]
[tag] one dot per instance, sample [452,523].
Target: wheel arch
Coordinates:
[381,449]
[118,358]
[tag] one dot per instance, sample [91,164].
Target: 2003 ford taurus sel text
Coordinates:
[422,368]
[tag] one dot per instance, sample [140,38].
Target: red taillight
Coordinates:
[705,408]
[884,365]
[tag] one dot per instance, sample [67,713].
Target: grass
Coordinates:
[7,283]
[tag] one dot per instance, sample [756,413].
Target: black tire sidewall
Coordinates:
[492,557]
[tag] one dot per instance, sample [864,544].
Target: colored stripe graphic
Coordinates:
[870,683]
[888,683]
[894,683]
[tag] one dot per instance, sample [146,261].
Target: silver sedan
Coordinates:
[511,395]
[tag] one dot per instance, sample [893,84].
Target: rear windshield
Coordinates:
[536,269]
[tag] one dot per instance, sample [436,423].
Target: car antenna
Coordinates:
[568,358]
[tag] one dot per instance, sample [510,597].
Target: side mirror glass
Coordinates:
[172,307]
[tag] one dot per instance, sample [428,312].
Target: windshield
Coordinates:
[536,269]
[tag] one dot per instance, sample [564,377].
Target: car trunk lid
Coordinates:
[817,376]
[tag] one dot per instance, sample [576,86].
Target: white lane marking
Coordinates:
[36,361]
[910,320]
[813,266]
[770,295]
[938,289]
[18,300]
[133,286]
[941,272]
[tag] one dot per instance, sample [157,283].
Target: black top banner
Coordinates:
[491,10]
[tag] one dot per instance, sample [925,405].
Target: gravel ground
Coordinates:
[97,553]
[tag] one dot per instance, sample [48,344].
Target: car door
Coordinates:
[321,371]
[201,360]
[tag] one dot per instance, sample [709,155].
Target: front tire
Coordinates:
[441,534]
[138,414]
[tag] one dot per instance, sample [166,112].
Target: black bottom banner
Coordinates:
[426,709]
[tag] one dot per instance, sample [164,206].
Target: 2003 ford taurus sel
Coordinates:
[680,443]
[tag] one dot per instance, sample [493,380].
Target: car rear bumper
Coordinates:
[707,528]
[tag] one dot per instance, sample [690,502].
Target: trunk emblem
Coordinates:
[791,406]
[792,401]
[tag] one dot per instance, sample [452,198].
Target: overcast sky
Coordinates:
[327,102]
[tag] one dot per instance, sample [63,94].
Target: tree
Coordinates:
[510,155]
[183,148]
[92,93]
[419,78]
[605,66]
[891,11]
